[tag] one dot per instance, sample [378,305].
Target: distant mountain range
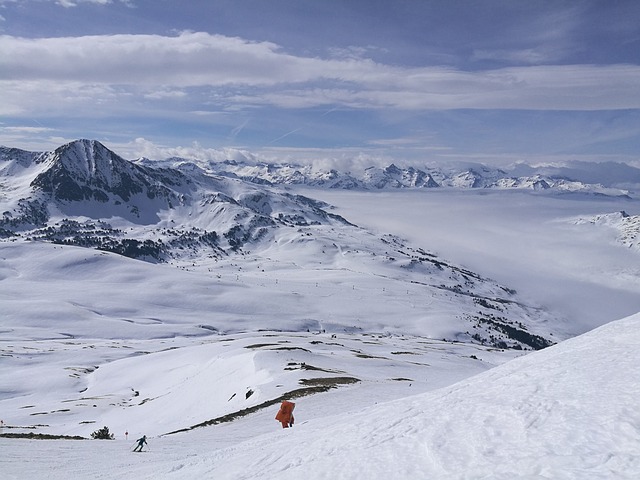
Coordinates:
[230,204]
[607,178]
[83,194]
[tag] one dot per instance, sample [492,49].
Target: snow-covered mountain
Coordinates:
[625,226]
[182,302]
[82,194]
[607,178]
[68,195]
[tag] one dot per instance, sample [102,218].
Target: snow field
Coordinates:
[565,412]
[177,383]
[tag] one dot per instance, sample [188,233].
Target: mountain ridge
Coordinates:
[84,195]
[601,178]
[607,178]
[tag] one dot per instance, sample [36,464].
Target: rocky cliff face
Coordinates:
[87,170]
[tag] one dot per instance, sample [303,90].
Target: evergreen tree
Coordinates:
[102,434]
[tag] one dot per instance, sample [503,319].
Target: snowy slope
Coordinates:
[627,227]
[566,412]
[75,319]
[569,411]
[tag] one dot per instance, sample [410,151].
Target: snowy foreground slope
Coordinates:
[92,338]
[569,411]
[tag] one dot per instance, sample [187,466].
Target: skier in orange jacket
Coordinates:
[285,414]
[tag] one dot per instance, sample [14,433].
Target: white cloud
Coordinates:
[353,52]
[25,130]
[37,97]
[141,147]
[527,56]
[27,137]
[357,159]
[75,3]
[71,3]
[165,94]
[190,59]
[573,87]
[241,73]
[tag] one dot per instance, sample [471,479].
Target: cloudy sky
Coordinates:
[413,81]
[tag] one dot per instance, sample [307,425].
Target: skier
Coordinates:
[285,414]
[141,442]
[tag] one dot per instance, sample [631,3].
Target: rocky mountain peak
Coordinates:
[87,170]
